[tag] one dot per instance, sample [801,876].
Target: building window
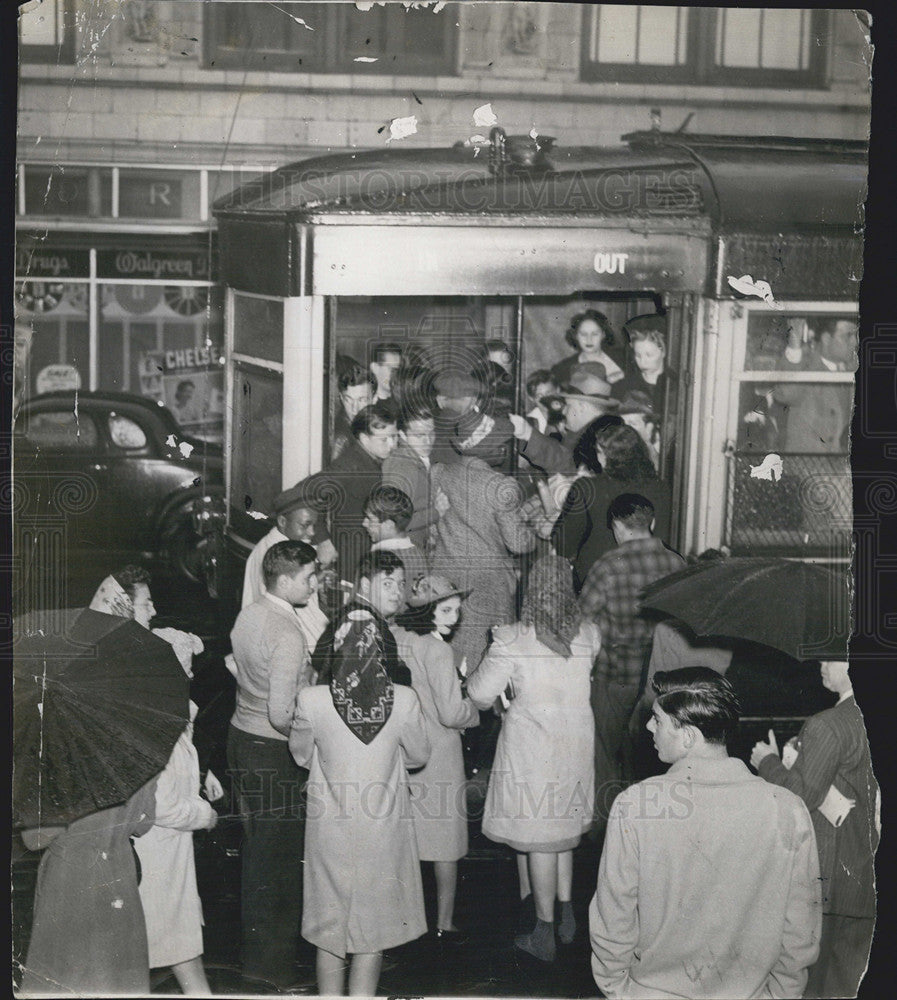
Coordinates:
[722,46]
[47,31]
[330,38]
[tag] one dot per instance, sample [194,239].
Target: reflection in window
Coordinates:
[61,430]
[125,433]
[256,445]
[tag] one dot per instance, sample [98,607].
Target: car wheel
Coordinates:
[181,546]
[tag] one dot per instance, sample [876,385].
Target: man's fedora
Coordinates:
[589,382]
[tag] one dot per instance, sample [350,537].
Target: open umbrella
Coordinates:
[99,703]
[799,608]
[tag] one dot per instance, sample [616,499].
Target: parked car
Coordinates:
[101,478]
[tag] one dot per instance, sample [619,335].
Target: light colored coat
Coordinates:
[542,785]
[362,881]
[404,469]
[477,539]
[438,791]
[168,892]
[708,887]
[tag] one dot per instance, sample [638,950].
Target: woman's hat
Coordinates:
[433,589]
[636,401]
[589,381]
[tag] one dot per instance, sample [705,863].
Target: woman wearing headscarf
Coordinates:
[481,528]
[423,633]
[542,785]
[168,890]
[357,734]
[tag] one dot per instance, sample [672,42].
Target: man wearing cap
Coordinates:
[586,397]
[482,529]
[457,393]
[833,775]
[296,514]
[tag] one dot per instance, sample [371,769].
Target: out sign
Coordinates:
[611,263]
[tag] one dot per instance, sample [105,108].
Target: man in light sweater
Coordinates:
[272,666]
[709,879]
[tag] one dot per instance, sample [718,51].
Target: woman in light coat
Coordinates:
[542,785]
[439,790]
[362,882]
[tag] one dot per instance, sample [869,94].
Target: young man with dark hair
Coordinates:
[386,359]
[380,591]
[356,387]
[709,882]
[609,597]
[271,668]
[387,513]
[352,477]
[408,468]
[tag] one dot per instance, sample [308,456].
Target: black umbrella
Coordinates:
[99,703]
[799,608]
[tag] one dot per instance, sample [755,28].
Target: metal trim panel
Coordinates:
[439,260]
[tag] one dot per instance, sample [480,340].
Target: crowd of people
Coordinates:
[414,590]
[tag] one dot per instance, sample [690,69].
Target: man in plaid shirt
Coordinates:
[609,597]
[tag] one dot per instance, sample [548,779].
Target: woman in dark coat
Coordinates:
[581,533]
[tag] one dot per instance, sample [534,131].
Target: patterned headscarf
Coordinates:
[550,604]
[111,598]
[361,689]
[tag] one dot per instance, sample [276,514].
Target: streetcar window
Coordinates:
[256,439]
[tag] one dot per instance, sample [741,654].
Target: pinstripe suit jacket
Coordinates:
[833,749]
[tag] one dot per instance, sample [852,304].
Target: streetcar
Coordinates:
[736,241]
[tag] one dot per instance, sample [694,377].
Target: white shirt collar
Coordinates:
[279,601]
[832,367]
[277,535]
[845,695]
[392,544]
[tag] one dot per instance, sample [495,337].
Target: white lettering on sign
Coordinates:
[611,263]
[129,262]
[159,192]
[191,357]
[53,378]
[50,264]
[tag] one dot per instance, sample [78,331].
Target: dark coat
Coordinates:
[347,483]
[581,533]
[833,750]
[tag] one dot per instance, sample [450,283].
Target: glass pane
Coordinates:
[770,334]
[272,27]
[783,31]
[150,347]
[421,32]
[68,191]
[364,32]
[738,38]
[57,315]
[658,36]
[258,327]
[125,433]
[62,430]
[617,27]
[256,455]
[39,22]
[159,194]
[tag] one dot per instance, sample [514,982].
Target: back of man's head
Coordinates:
[633,511]
[699,697]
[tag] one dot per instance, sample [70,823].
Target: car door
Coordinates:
[60,480]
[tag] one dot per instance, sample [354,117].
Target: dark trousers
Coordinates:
[843,953]
[269,788]
[612,706]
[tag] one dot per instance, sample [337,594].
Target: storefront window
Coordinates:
[258,327]
[60,345]
[68,191]
[152,346]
